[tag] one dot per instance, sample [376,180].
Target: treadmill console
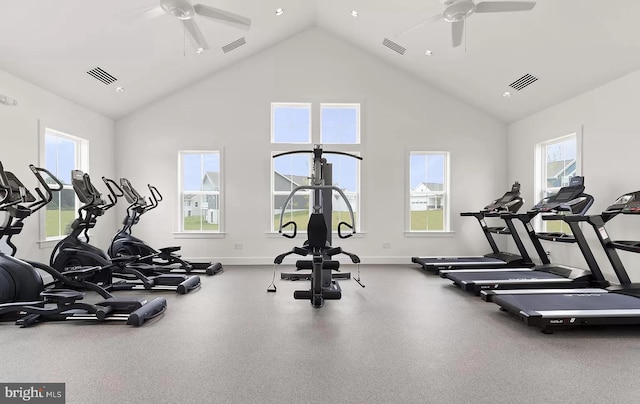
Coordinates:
[568,199]
[628,203]
[510,201]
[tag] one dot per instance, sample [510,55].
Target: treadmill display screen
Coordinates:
[506,198]
[562,196]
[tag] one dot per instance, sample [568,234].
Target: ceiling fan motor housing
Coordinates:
[458,10]
[180,9]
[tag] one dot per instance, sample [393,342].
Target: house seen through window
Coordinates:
[200,188]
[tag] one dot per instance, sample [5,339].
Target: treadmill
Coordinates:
[570,199]
[510,202]
[617,304]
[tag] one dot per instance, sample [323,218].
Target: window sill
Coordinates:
[196,235]
[410,234]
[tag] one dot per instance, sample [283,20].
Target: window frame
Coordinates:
[315,134]
[541,188]
[445,193]
[81,157]
[180,194]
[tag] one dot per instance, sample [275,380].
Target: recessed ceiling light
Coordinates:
[354,13]
[428,53]
[506,94]
[119,89]
[200,50]
[279,11]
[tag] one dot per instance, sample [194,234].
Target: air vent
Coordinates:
[394,46]
[523,81]
[233,45]
[101,75]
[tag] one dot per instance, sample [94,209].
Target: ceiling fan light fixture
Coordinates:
[279,11]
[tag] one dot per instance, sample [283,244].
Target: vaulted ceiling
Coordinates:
[570,46]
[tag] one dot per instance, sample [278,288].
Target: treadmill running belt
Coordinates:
[458,260]
[573,301]
[500,276]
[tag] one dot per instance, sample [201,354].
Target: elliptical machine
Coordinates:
[318,244]
[124,243]
[23,294]
[71,252]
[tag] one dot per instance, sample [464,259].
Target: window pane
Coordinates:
[211,175]
[201,212]
[427,199]
[201,173]
[559,165]
[291,124]
[345,177]
[339,125]
[290,171]
[297,210]
[191,172]
[560,162]
[60,157]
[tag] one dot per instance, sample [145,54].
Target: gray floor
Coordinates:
[407,337]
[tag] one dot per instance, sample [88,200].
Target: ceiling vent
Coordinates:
[394,46]
[234,45]
[101,75]
[523,81]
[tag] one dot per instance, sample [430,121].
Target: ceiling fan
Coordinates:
[457,11]
[186,12]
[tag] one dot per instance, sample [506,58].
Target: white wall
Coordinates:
[20,147]
[230,111]
[611,140]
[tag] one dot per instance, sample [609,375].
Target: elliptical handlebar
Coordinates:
[47,196]
[155,197]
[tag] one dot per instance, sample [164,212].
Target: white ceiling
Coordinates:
[570,45]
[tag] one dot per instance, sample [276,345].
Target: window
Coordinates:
[428,191]
[292,130]
[62,153]
[339,124]
[200,191]
[557,161]
[291,123]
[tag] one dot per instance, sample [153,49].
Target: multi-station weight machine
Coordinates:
[324,270]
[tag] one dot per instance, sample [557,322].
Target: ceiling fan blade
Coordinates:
[502,6]
[222,16]
[434,18]
[457,28]
[153,13]
[195,34]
